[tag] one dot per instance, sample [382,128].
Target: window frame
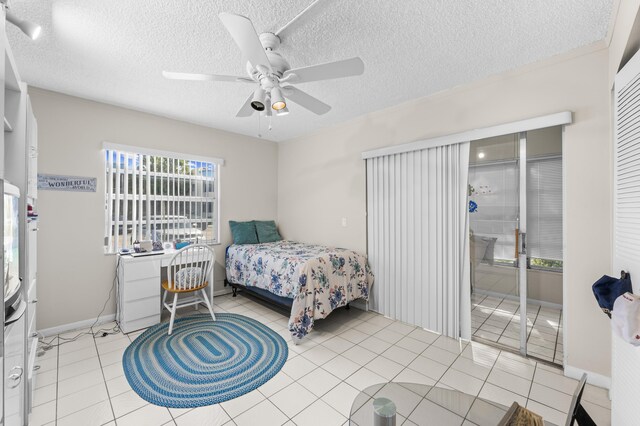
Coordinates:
[136,150]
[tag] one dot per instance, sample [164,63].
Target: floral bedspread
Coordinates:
[319,279]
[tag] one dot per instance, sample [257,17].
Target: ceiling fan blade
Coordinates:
[204,77]
[309,13]
[305,100]
[246,110]
[339,69]
[246,37]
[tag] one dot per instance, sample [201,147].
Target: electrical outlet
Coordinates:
[344,222]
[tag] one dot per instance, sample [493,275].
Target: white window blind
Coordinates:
[544,208]
[159,197]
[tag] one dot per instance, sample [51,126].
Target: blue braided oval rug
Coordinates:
[203,362]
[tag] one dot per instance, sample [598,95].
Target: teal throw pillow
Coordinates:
[243,232]
[267,231]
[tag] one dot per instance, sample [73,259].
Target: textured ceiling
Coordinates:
[114,51]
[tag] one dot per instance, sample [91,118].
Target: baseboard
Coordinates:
[592,378]
[222,292]
[52,331]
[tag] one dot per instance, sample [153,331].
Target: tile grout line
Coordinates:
[268,399]
[539,308]
[415,357]
[356,371]
[317,366]
[535,369]
[404,365]
[57,376]
[420,354]
[506,326]
[488,316]
[104,379]
[555,346]
[485,382]
[443,374]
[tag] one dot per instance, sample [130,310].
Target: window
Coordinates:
[494,187]
[544,213]
[159,196]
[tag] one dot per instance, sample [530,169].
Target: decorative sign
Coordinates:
[67,183]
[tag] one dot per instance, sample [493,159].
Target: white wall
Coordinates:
[626,12]
[74,274]
[321,178]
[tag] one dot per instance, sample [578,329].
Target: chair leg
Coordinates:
[164,297]
[206,301]
[173,312]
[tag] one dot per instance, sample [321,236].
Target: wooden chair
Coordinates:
[577,413]
[189,271]
[518,415]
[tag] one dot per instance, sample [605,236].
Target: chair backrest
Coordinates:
[191,267]
[574,408]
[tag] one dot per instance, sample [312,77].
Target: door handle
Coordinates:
[523,243]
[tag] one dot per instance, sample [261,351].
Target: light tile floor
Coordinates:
[82,383]
[497,319]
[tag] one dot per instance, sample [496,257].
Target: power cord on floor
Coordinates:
[48,345]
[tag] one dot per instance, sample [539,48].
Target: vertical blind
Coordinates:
[159,198]
[544,208]
[417,236]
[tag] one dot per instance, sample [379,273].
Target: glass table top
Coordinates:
[427,405]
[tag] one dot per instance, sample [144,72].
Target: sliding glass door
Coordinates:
[508,192]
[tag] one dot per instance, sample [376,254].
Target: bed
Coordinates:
[315,279]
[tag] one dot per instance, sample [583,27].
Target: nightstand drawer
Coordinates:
[141,269]
[141,289]
[142,308]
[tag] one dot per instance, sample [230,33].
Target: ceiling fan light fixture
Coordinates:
[277,100]
[29,28]
[267,110]
[258,100]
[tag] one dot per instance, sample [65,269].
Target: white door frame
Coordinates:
[522,241]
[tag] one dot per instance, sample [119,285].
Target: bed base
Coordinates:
[264,295]
[282,303]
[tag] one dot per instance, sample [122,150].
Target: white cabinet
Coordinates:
[19,165]
[21,162]
[14,373]
[32,299]
[32,153]
[139,289]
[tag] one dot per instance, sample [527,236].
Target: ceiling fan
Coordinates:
[271,71]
